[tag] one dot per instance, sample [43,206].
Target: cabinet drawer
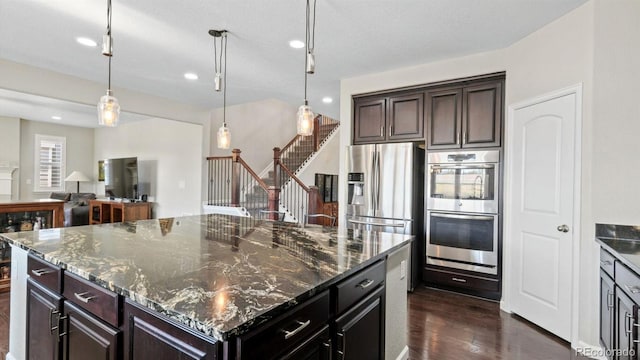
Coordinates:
[45,273]
[99,301]
[360,285]
[287,331]
[628,281]
[606,262]
[459,280]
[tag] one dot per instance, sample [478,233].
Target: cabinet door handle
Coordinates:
[390,130]
[52,313]
[628,323]
[381,131]
[327,345]
[61,320]
[464,138]
[82,297]
[458,137]
[459,280]
[40,272]
[605,262]
[632,289]
[365,283]
[610,299]
[301,325]
[343,351]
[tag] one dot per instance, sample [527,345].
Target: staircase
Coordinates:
[252,192]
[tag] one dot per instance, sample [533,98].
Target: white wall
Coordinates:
[327,161]
[557,56]
[79,155]
[256,128]
[169,159]
[10,148]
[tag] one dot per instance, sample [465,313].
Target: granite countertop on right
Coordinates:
[623,240]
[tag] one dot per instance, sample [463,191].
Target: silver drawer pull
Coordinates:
[288,334]
[605,263]
[365,284]
[40,272]
[632,289]
[459,280]
[82,297]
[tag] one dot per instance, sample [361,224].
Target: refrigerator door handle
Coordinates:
[373,180]
[377,175]
[398,225]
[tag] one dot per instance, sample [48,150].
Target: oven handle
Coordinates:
[464,217]
[470,166]
[398,225]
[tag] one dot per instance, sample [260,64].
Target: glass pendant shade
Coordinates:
[224,137]
[305,120]
[108,110]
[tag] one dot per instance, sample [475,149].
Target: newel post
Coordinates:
[316,133]
[315,203]
[235,177]
[274,202]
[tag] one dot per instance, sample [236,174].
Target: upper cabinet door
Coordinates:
[482,115]
[369,120]
[444,117]
[406,120]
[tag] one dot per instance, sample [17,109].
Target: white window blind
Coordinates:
[50,158]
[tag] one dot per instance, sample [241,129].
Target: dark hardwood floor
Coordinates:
[442,326]
[445,325]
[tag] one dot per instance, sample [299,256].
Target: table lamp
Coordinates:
[77,176]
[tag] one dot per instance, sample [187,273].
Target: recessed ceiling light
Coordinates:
[327,100]
[191,76]
[86,41]
[56,117]
[296,44]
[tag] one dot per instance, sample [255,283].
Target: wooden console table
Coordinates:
[107,211]
[25,216]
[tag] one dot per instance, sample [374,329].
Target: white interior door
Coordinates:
[542,218]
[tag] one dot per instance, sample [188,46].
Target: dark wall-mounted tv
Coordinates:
[121,178]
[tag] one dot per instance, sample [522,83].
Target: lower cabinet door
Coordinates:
[360,331]
[43,311]
[317,347]
[625,316]
[607,313]
[86,337]
[147,336]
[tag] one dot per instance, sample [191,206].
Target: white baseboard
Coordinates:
[586,351]
[404,355]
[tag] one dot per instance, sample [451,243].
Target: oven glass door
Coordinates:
[469,187]
[463,237]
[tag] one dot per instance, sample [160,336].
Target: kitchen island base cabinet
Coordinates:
[607,313]
[150,337]
[360,331]
[43,306]
[87,337]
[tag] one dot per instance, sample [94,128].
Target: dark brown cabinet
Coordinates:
[467,116]
[43,307]
[87,337]
[389,118]
[360,331]
[150,336]
[624,334]
[607,311]
[317,347]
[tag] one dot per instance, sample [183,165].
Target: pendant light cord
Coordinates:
[224,79]
[110,46]
[310,34]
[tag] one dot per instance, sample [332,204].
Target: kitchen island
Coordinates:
[220,280]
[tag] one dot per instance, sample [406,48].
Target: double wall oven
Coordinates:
[462,210]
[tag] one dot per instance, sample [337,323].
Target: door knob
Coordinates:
[563,228]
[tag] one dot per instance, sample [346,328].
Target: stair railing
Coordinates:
[233,183]
[297,198]
[300,148]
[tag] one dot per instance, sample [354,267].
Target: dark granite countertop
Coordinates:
[214,273]
[621,240]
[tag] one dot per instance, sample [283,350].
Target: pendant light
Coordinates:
[108,107]
[305,116]
[220,64]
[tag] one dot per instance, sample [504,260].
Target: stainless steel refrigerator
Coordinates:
[386,193]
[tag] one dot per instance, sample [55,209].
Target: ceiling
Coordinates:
[157,41]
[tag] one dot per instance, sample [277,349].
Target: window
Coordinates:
[49,160]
